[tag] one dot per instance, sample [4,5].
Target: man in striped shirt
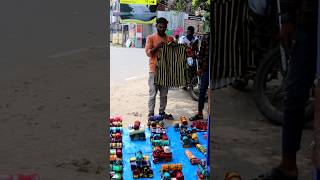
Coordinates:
[298,34]
[153,44]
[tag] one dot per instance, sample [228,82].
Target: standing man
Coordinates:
[203,59]
[299,34]
[192,43]
[153,44]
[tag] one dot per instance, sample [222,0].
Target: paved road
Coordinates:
[127,64]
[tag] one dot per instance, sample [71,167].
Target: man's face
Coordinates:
[190,33]
[161,28]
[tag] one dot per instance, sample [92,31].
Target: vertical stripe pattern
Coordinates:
[232,51]
[172,68]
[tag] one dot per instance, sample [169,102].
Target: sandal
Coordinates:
[196,117]
[276,174]
[167,116]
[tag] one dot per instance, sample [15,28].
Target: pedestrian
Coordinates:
[298,34]
[191,41]
[203,60]
[153,44]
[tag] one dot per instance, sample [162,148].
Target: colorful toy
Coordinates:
[117,152]
[115,176]
[161,153]
[157,130]
[188,137]
[203,171]
[137,131]
[141,166]
[115,121]
[116,129]
[170,171]
[192,158]
[156,121]
[115,145]
[200,125]
[116,137]
[159,140]
[184,120]
[201,149]
[116,168]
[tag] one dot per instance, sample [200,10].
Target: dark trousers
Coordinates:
[300,77]
[204,83]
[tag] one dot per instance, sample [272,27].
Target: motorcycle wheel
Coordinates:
[269,91]
[194,89]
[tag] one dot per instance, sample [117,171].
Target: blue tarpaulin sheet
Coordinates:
[178,154]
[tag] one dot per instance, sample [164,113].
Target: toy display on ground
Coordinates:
[156,121]
[161,153]
[188,137]
[159,138]
[200,125]
[203,171]
[192,158]
[202,149]
[137,131]
[116,167]
[141,166]
[169,171]
[147,163]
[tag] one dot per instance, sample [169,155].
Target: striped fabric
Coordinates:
[232,53]
[171,66]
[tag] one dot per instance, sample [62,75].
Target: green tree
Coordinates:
[203,4]
[180,5]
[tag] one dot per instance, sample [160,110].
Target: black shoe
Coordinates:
[150,114]
[166,116]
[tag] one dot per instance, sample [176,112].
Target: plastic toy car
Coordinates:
[203,171]
[137,131]
[171,171]
[184,120]
[141,166]
[159,140]
[192,158]
[160,153]
[201,149]
[200,125]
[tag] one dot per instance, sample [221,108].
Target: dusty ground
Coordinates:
[52,116]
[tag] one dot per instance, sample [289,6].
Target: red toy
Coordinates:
[160,153]
[200,125]
[115,121]
[169,171]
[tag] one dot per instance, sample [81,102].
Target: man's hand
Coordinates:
[286,34]
[158,46]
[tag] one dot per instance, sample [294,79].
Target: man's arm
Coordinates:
[149,46]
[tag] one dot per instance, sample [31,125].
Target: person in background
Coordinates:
[153,44]
[298,33]
[203,59]
[191,41]
[176,38]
